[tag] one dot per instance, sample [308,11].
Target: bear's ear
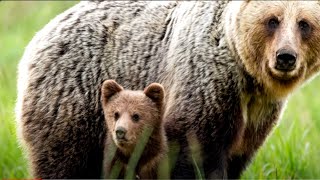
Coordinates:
[155,92]
[108,89]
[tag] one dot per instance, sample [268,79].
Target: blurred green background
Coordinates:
[292,151]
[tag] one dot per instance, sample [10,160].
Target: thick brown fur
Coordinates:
[255,46]
[215,59]
[119,107]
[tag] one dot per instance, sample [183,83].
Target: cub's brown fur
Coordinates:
[128,114]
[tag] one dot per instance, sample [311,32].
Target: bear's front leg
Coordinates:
[215,165]
[236,165]
[200,161]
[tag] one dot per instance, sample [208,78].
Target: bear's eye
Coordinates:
[135,117]
[273,24]
[116,115]
[304,28]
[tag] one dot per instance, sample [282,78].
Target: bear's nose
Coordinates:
[286,59]
[120,132]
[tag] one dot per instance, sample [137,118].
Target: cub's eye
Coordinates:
[273,24]
[116,115]
[304,28]
[135,117]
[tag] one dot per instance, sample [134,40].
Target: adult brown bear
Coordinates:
[227,68]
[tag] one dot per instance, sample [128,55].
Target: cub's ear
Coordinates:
[108,89]
[155,92]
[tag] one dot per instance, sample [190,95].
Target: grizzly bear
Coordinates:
[227,69]
[128,114]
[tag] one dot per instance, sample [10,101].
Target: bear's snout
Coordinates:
[285,59]
[121,132]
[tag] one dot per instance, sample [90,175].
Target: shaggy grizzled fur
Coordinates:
[210,96]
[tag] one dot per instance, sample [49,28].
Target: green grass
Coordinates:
[290,152]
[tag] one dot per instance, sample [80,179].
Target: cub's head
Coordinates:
[278,42]
[127,112]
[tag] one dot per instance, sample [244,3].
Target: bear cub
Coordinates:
[133,117]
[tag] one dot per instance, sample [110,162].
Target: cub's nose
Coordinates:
[286,59]
[120,132]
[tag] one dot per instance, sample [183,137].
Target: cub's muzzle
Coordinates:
[121,132]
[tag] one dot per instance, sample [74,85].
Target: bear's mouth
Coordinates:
[285,77]
[122,141]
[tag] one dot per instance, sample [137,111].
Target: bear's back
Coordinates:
[179,44]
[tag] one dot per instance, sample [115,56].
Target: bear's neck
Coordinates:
[260,113]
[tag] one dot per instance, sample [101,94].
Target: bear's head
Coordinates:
[128,112]
[278,42]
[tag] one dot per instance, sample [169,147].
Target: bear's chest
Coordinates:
[259,116]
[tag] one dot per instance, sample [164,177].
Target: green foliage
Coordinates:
[138,150]
[290,152]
